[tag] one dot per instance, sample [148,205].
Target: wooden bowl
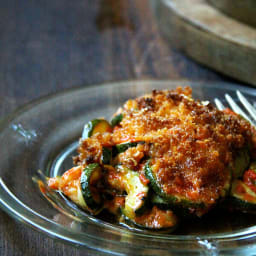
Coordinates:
[209,36]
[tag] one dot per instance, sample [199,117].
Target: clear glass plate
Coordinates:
[43,136]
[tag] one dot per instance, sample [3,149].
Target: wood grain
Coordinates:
[48,46]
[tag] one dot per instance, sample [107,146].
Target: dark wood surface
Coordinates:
[48,46]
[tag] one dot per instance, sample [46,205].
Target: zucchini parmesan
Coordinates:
[162,157]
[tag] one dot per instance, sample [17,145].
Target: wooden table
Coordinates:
[48,46]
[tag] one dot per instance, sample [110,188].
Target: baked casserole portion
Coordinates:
[163,155]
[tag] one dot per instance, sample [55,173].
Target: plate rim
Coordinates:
[249,232]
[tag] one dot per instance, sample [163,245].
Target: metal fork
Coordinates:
[247,105]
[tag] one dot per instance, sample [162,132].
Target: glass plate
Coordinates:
[43,136]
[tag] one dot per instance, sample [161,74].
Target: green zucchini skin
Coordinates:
[241,162]
[116,120]
[120,148]
[171,199]
[95,125]
[87,175]
[106,156]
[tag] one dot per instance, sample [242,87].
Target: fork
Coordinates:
[247,105]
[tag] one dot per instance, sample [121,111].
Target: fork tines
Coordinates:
[234,106]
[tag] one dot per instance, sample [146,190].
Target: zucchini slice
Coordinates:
[241,162]
[137,192]
[242,197]
[171,199]
[178,209]
[80,199]
[116,120]
[156,186]
[96,126]
[154,219]
[90,177]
